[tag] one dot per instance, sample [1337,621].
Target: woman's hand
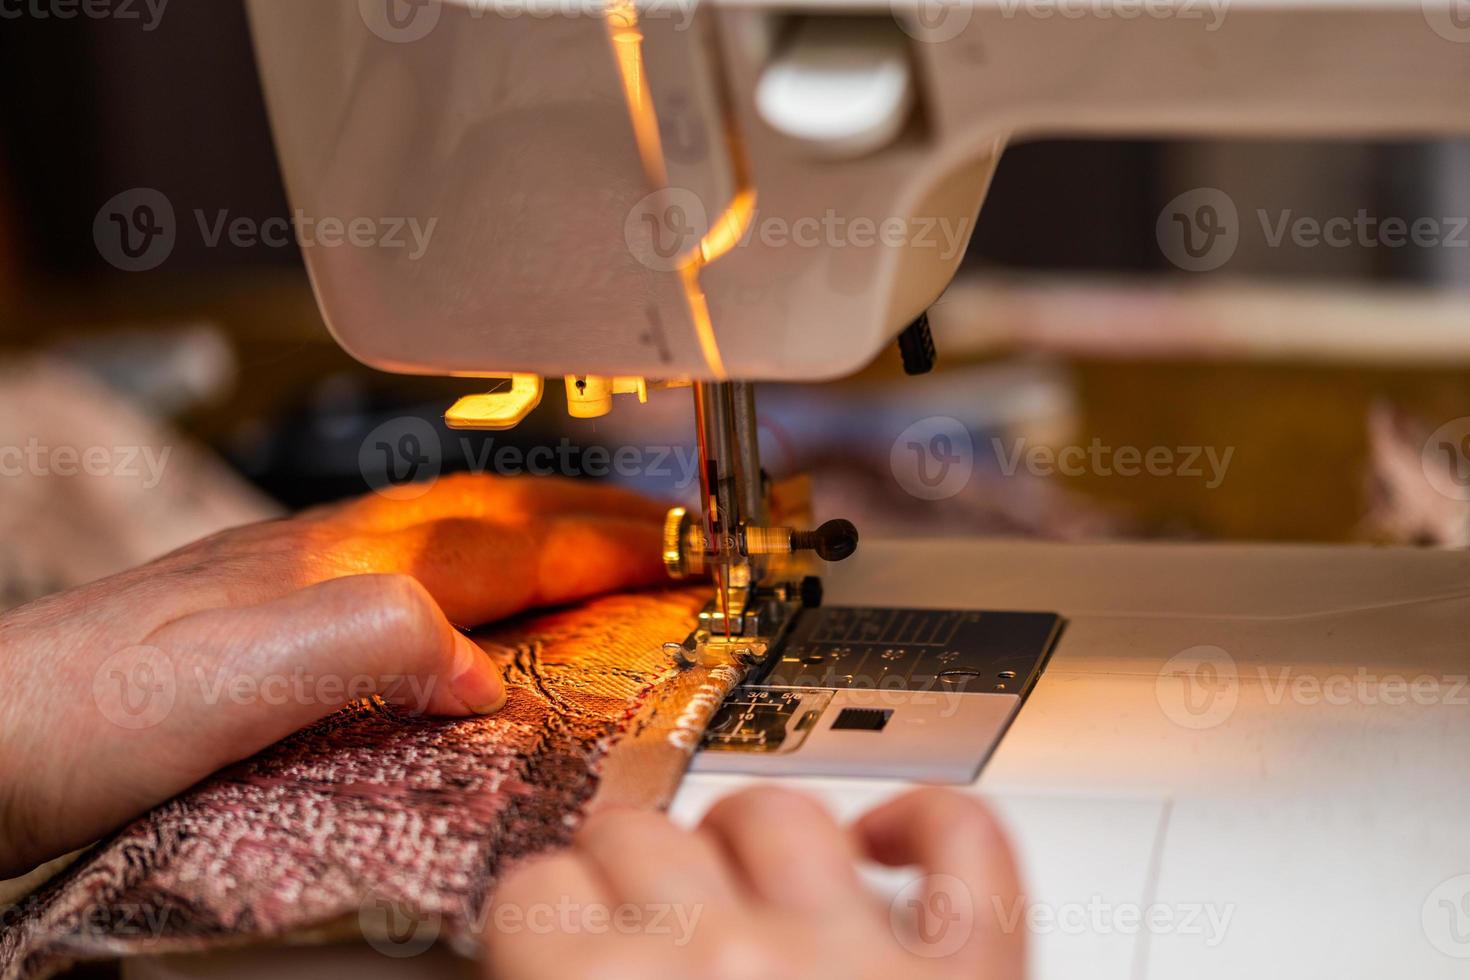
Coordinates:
[117,695]
[767,887]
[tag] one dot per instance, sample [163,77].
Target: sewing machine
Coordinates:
[608,186]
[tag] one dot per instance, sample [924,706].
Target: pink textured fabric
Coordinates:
[370,808]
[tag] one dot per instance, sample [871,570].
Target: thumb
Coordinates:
[246,677]
[217,686]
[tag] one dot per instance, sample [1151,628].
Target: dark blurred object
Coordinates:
[95,106]
[9,278]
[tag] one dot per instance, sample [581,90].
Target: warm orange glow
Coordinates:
[722,236]
[704,328]
[727,228]
[627,46]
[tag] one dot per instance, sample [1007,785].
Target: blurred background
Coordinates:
[1090,383]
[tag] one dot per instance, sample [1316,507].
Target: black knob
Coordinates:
[916,345]
[833,541]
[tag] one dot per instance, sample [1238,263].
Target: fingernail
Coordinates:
[479,686]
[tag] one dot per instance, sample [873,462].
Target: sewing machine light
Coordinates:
[590,396]
[497,409]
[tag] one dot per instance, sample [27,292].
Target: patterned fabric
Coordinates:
[373,822]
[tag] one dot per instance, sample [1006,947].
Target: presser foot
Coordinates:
[747,631]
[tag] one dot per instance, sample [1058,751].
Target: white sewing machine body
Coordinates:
[1267,741]
[553,252]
